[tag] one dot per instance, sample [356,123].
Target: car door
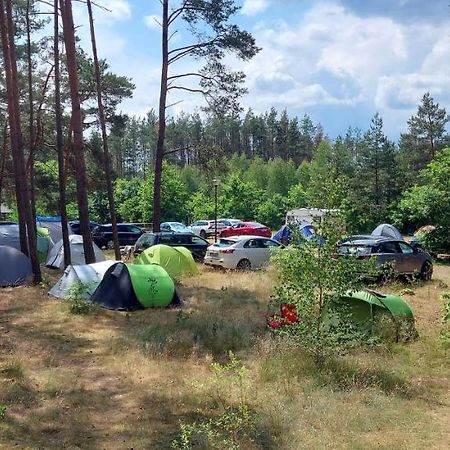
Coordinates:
[198,246]
[410,262]
[268,245]
[389,253]
[255,252]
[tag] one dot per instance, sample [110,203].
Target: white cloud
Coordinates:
[253,7]
[120,9]
[153,22]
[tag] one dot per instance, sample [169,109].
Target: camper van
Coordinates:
[309,215]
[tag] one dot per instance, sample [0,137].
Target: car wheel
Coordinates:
[426,271]
[203,234]
[110,245]
[244,264]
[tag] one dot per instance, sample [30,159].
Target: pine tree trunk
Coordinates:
[77,124]
[162,119]
[59,143]
[27,221]
[106,155]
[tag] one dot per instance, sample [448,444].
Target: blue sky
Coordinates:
[340,61]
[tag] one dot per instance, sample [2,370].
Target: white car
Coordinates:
[205,228]
[241,252]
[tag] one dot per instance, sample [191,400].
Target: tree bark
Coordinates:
[162,119]
[59,143]
[106,154]
[77,123]
[27,221]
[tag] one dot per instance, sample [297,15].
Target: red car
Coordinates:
[246,228]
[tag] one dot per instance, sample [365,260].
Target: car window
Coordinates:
[354,250]
[266,243]
[388,247]
[180,239]
[198,240]
[146,239]
[165,239]
[134,229]
[238,225]
[405,248]
[254,243]
[224,243]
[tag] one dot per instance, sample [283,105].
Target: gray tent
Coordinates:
[15,267]
[387,230]
[56,255]
[83,278]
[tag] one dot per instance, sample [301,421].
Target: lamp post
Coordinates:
[216,183]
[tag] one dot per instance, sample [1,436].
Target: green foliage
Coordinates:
[445,333]
[3,409]
[234,426]
[310,278]
[77,304]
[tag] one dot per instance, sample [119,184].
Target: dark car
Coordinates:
[406,259]
[128,234]
[192,242]
[75,226]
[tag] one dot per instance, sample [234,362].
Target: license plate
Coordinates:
[214,255]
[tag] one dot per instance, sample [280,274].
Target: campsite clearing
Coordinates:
[125,380]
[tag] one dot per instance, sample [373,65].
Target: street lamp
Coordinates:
[216,183]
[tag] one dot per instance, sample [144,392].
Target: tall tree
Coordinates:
[59,141]
[102,120]
[212,37]
[77,129]
[26,218]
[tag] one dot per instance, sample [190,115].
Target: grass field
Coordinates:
[110,380]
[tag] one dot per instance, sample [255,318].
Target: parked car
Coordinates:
[128,234]
[241,252]
[246,228]
[406,259]
[194,243]
[75,226]
[174,227]
[206,228]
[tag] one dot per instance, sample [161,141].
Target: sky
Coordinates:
[339,61]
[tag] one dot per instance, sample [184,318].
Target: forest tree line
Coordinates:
[66,149]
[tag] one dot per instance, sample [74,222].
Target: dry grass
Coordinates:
[116,381]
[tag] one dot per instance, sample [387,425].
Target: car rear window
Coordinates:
[257,225]
[147,239]
[355,250]
[225,243]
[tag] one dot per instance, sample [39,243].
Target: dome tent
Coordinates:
[177,261]
[303,228]
[387,230]
[373,313]
[131,287]
[56,255]
[15,267]
[10,236]
[87,276]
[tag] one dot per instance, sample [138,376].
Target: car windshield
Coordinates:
[224,243]
[146,239]
[354,250]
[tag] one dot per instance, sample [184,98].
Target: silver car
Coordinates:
[241,252]
[406,259]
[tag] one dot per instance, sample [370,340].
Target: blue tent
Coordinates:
[304,229]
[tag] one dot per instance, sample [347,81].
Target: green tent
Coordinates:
[384,315]
[130,286]
[43,243]
[177,261]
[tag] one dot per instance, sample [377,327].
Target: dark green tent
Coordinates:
[374,313]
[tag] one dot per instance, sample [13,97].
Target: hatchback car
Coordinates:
[128,234]
[241,252]
[194,243]
[246,228]
[406,260]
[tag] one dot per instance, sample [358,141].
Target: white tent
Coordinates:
[387,230]
[83,279]
[56,255]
